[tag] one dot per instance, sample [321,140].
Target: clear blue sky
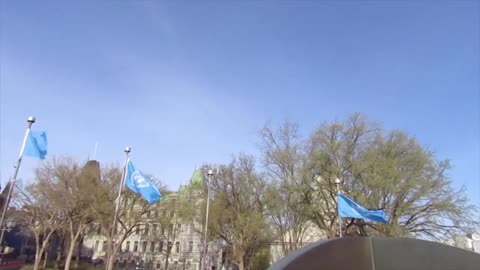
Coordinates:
[186,83]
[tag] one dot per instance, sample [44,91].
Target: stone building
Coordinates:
[148,246]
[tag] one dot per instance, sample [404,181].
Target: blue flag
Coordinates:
[139,183]
[351,209]
[36,145]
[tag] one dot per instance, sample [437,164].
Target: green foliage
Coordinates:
[283,159]
[261,259]
[382,170]
[236,208]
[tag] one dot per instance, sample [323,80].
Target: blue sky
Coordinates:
[187,83]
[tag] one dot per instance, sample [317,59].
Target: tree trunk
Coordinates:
[111,257]
[39,250]
[241,263]
[79,253]
[38,258]
[71,248]
[111,262]
[109,252]
[45,258]
[114,247]
[167,255]
[68,259]
[38,255]
[59,255]
[59,258]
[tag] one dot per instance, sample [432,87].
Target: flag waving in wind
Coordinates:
[139,183]
[36,145]
[351,209]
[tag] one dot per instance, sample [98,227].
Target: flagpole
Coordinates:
[30,121]
[119,196]
[204,261]
[338,182]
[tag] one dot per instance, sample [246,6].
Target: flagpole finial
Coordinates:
[338,181]
[31,119]
[210,172]
[128,149]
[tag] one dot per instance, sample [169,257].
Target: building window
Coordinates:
[144,246]
[179,226]
[154,230]
[160,247]
[158,264]
[97,243]
[152,247]
[172,214]
[104,248]
[163,231]
[135,246]
[170,228]
[148,213]
[137,230]
[188,265]
[190,246]
[164,213]
[147,227]
[177,247]
[127,247]
[169,247]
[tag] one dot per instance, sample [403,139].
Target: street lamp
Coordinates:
[204,261]
[338,182]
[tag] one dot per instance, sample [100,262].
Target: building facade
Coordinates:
[473,242]
[153,244]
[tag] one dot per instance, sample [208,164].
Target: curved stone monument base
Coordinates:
[365,253]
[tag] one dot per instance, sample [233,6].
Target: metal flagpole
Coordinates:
[30,121]
[119,196]
[95,151]
[204,261]
[338,182]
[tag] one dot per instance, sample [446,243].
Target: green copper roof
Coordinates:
[181,193]
[197,178]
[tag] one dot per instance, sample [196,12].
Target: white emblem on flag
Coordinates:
[139,180]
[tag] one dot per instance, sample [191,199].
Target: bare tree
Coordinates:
[283,159]
[237,213]
[68,188]
[41,219]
